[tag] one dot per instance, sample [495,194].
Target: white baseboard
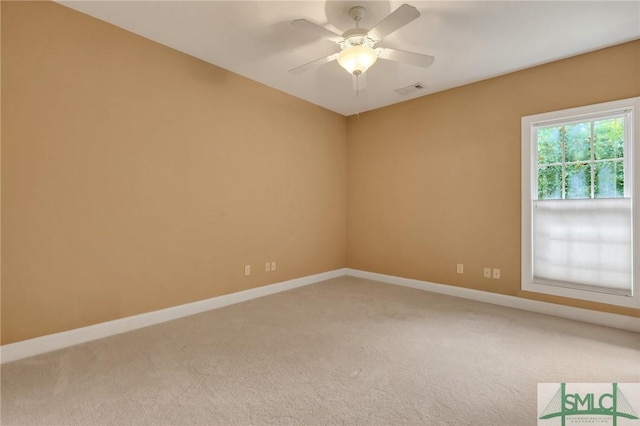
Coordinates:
[52,342]
[585,315]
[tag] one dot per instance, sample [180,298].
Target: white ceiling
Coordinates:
[471,40]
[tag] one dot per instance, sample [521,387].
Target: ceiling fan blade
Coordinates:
[395,20]
[317,29]
[411,58]
[304,67]
[359,82]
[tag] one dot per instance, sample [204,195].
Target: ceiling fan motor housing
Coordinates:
[356,33]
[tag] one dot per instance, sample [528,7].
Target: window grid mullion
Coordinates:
[563,133]
[571,163]
[592,166]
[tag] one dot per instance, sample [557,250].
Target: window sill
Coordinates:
[591,296]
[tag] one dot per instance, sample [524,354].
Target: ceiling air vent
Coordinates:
[410,89]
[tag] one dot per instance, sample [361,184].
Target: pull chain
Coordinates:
[357,97]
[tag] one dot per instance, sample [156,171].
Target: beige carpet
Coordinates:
[346,351]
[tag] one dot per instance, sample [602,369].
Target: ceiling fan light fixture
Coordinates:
[357,59]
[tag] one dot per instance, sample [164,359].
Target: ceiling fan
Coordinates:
[358,45]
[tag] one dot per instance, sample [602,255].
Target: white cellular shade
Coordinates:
[585,244]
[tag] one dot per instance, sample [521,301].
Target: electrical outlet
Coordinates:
[460,268]
[496,273]
[487,272]
[273,265]
[247,270]
[267,267]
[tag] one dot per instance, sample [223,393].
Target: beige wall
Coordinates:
[436,181]
[135,177]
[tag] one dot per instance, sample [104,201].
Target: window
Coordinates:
[579,204]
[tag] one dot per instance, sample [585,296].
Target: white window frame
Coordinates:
[529,185]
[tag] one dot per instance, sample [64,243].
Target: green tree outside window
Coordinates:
[581,160]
